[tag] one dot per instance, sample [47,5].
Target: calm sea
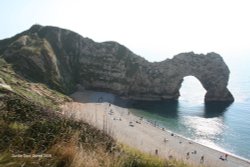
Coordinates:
[220,126]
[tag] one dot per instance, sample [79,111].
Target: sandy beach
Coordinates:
[144,135]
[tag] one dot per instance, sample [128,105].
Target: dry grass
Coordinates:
[27,127]
[74,154]
[77,154]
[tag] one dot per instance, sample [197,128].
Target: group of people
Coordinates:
[194,152]
[202,157]
[223,158]
[188,154]
[165,140]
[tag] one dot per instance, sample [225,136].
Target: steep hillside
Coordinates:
[40,94]
[34,133]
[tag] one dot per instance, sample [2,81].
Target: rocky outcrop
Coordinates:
[209,69]
[63,59]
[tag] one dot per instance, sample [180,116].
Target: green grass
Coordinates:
[18,126]
[29,126]
[30,129]
[134,158]
[42,96]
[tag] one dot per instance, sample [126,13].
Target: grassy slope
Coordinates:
[29,126]
[35,92]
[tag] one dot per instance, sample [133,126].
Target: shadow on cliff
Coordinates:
[215,109]
[167,109]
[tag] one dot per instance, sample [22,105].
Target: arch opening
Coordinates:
[191,90]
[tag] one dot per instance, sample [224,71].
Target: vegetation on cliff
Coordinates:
[40,66]
[34,132]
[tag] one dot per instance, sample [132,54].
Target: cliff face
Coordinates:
[63,59]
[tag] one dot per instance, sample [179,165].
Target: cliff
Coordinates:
[64,60]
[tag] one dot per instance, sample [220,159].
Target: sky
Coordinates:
[154,29]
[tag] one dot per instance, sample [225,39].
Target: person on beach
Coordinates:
[202,159]
[221,158]
[156,152]
[226,155]
[188,155]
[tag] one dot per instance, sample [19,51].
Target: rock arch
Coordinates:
[210,70]
[191,90]
[63,59]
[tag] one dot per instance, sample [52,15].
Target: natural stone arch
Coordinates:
[162,80]
[63,59]
[191,90]
[209,69]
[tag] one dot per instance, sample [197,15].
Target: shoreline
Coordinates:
[219,149]
[193,141]
[146,137]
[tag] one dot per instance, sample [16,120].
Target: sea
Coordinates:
[225,127]
[222,126]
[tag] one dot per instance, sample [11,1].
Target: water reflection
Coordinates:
[215,109]
[208,129]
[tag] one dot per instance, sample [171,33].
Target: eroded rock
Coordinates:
[64,59]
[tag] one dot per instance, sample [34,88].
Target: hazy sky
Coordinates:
[154,29]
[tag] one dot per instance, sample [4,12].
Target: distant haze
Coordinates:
[154,29]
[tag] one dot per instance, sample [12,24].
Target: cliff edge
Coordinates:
[63,60]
